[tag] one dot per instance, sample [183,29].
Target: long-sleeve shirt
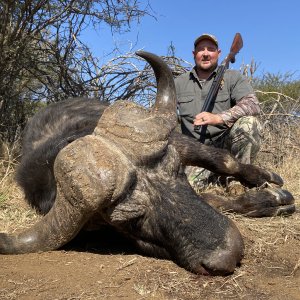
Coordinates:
[247,106]
[235,99]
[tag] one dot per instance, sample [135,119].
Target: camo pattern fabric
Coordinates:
[243,141]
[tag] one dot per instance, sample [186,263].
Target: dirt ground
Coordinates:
[101,265]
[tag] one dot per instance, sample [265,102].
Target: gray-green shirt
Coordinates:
[191,94]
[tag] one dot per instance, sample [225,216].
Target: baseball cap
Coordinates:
[206,36]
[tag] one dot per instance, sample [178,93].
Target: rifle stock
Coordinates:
[236,46]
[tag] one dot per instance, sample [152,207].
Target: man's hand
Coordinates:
[206,118]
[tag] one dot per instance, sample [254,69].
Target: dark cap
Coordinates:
[208,37]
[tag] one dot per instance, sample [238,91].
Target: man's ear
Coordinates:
[219,52]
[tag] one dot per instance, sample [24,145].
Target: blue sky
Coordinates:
[270,31]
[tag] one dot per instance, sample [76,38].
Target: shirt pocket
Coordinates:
[186,105]
[223,102]
[223,96]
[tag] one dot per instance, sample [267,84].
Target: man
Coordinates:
[231,124]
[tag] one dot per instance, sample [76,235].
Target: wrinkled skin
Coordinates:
[124,169]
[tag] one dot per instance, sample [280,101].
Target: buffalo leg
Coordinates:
[220,161]
[266,202]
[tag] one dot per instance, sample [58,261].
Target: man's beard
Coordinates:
[210,69]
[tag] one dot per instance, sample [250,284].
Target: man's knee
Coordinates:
[247,127]
[248,124]
[245,138]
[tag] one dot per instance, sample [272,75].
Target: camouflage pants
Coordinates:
[243,141]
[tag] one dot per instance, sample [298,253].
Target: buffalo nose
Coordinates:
[224,259]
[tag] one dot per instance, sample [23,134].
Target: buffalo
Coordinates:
[122,166]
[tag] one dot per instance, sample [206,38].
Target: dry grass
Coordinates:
[281,153]
[14,212]
[271,266]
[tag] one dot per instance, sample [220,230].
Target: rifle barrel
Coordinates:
[214,88]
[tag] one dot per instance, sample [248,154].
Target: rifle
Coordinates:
[236,46]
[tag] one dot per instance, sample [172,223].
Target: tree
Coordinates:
[128,77]
[42,55]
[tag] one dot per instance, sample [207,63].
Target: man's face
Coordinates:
[206,55]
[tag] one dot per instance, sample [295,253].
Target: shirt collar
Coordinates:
[194,74]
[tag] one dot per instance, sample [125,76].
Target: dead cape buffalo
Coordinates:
[121,165]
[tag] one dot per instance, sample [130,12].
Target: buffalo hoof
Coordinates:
[269,202]
[276,179]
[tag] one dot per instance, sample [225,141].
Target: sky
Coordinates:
[270,32]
